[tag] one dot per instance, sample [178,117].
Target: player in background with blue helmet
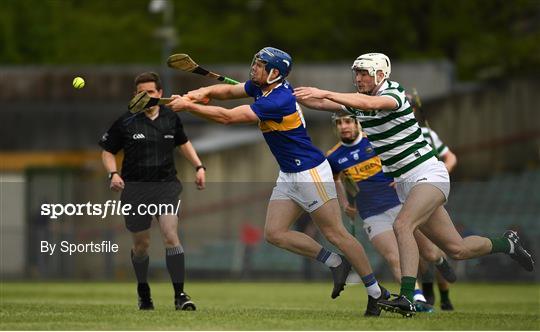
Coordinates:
[305,181]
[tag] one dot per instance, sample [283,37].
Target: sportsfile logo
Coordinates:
[109,208]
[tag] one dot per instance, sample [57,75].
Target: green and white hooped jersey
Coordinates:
[440,149]
[395,134]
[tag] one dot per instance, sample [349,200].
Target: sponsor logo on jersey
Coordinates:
[138,136]
[369,149]
[298,162]
[168,136]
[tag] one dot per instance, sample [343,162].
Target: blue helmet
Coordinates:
[275,59]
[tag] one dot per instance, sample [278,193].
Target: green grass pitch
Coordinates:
[255,306]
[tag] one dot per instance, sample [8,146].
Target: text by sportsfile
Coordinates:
[109,208]
[72,248]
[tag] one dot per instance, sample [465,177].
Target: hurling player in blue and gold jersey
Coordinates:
[305,181]
[354,160]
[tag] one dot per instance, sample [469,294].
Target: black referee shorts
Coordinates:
[147,197]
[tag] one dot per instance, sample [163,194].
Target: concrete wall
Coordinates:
[492,128]
[12,224]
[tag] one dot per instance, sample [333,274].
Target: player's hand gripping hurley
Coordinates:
[143,101]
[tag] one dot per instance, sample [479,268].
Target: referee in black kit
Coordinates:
[149,177]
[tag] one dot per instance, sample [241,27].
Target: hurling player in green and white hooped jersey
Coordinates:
[422,181]
[305,181]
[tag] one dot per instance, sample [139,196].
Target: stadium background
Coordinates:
[477,74]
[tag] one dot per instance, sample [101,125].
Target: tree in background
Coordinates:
[484,39]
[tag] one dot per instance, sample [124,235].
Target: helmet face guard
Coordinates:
[341,115]
[273,58]
[372,62]
[344,115]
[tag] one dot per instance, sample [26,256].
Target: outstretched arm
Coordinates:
[218,91]
[320,104]
[240,114]
[354,100]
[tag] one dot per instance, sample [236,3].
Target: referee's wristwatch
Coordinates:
[111,174]
[197,168]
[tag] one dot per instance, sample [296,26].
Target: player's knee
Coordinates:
[140,246]
[402,226]
[273,237]
[171,240]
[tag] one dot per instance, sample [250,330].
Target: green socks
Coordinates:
[407,287]
[500,244]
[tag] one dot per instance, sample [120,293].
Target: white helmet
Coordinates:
[373,62]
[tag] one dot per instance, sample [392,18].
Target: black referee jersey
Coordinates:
[148,145]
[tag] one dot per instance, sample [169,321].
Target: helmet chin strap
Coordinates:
[375,77]
[377,84]
[274,80]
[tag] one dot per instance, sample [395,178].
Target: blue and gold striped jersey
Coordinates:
[283,127]
[359,162]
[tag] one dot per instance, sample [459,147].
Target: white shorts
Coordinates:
[310,189]
[432,172]
[382,222]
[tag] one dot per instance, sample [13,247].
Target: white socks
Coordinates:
[374,290]
[333,260]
